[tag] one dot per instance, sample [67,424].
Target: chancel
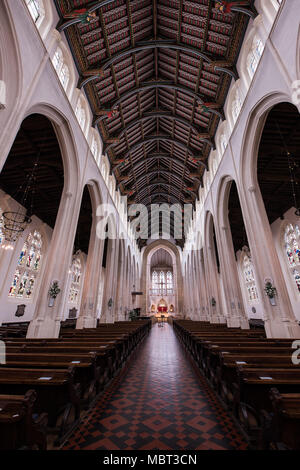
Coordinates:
[149,225]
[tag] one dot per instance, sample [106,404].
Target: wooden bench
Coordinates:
[281,428]
[57,394]
[19,429]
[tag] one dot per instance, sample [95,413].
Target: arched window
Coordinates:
[76,273]
[94,148]
[58,60]
[248,272]
[169,281]
[292,249]
[64,76]
[1,228]
[223,142]
[162,280]
[28,267]
[254,55]
[155,284]
[80,114]
[236,106]
[36,9]
[61,68]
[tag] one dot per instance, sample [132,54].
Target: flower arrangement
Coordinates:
[54,290]
[270,290]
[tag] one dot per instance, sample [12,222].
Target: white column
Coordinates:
[233,297]
[88,308]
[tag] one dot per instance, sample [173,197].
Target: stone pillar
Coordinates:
[109,295]
[88,308]
[46,320]
[203,289]
[236,316]
[279,319]
[213,285]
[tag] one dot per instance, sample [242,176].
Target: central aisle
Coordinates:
[160,403]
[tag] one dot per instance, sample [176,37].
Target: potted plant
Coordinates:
[213,302]
[271,292]
[53,292]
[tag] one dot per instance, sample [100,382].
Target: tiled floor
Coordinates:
[159,402]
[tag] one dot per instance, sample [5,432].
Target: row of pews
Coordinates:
[46,384]
[254,376]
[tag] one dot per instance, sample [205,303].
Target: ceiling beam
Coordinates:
[217,65]
[158,156]
[212,107]
[155,172]
[163,138]
[203,137]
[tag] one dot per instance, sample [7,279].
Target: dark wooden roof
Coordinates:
[154,62]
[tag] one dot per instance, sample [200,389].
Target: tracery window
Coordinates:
[292,249]
[64,76]
[94,148]
[155,280]
[28,267]
[254,55]
[236,106]
[248,272]
[1,228]
[169,280]
[224,142]
[76,273]
[61,68]
[58,59]
[81,115]
[36,9]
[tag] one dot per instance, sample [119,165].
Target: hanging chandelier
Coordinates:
[16,222]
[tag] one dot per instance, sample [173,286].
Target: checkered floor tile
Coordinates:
[158,402]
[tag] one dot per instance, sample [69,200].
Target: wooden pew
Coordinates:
[252,393]
[18,428]
[281,428]
[57,393]
[87,373]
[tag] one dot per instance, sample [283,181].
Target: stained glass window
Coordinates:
[76,273]
[169,280]
[248,271]
[292,249]
[155,283]
[29,264]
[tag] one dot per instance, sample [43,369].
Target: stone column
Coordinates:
[279,319]
[88,308]
[109,295]
[46,320]
[203,289]
[236,316]
[213,285]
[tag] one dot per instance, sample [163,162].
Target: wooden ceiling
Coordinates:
[147,66]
